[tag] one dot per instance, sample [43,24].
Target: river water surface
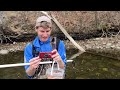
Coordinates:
[85,66]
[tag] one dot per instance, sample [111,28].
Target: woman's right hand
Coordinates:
[34,62]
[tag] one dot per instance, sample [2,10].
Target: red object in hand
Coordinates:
[46,54]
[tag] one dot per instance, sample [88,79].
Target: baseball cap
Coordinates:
[43,18]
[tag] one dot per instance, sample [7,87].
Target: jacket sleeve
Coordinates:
[27,54]
[62,51]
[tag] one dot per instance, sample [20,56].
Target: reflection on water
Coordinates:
[87,66]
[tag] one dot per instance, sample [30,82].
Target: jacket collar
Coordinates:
[37,42]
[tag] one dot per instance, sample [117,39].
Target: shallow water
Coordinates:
[89,66]
[85,66]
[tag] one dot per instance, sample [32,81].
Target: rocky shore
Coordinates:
[97,44]
[110,46]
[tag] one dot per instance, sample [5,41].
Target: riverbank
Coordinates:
[97,44]
[109,46]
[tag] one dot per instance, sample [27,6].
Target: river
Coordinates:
[85,66]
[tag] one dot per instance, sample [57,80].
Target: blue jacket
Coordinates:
[43,47]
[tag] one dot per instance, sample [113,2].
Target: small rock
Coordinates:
[104,43]
[87,46]
[113,46]
[4,51]
[108,44]
[11,49]
[14,42]
[118,47]
[97,47]
[97,39]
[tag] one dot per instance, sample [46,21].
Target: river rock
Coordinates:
[118,48]
[113,46]
[87,46]
[4,51]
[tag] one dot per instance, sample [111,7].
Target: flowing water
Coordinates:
[85,66]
